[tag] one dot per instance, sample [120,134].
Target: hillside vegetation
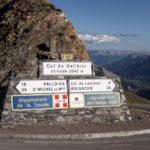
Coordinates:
[135,99]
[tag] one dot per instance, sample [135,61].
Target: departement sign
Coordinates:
[31,102]
[41,86]
[109,99]
[67,68]
[91,85]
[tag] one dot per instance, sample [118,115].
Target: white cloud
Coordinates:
[100,38]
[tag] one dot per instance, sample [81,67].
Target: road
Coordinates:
[126,143]
[143,107]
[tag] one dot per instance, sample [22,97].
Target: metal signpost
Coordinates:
[91,85]
[31,102]
[64,94]
[111,99]
[67,68]
[41,86]
[67,57]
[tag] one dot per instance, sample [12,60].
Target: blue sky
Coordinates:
[110,24]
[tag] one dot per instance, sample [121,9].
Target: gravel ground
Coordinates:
[141,120]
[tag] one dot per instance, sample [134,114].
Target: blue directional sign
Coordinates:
[102,99]
[31,102]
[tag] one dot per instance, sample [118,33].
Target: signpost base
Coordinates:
[67,109]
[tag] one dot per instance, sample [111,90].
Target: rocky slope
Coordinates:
[31,30]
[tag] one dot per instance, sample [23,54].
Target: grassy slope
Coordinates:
[134,99]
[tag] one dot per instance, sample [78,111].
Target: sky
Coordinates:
[110,24]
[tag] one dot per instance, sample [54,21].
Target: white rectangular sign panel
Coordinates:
[91,85]
[67,68]
[41,86]
[76,100]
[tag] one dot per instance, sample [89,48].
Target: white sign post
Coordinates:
[41,86]
[67,68]
[91,85]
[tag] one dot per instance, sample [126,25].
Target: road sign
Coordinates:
[111,99]
[31,102]
[76,100]
[91,85]
[41,86]
[60,101]
[67,68]
[67,56]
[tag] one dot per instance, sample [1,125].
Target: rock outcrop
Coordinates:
[31,30]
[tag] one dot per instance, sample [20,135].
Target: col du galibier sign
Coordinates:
[67,68]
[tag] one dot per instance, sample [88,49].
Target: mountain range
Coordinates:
[132,66]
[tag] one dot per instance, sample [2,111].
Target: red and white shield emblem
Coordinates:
[60,101]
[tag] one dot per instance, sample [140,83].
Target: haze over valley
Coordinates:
[132,66]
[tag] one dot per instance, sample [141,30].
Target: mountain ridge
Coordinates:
[132,67]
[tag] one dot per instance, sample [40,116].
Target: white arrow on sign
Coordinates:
[91,85]
[41,86]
